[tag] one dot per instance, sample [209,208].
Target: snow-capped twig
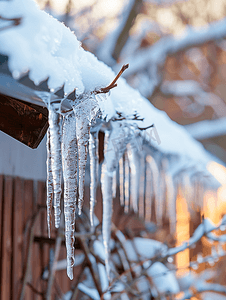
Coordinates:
[204,287]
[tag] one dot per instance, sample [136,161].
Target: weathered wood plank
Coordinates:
[1,224]
[28,211]
[37,264]
[6,288]
[17,236]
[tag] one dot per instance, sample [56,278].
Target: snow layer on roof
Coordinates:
[48,49]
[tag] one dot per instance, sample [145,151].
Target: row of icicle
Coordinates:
[144,175]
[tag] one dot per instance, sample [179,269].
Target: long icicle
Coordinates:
[148,191]
[55,145]
[142,185]
[135,174]
[106,184]
[85,111]
[69,160]
[114,148]
[126,184]
[49,185]
[121,181]
[94,163]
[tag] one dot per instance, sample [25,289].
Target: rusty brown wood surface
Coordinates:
[6,291]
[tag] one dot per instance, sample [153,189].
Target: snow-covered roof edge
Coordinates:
[48,49]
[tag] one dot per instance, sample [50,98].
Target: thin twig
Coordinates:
[16,22]
[34,290]
[113,83]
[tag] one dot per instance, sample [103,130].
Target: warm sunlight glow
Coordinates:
[182,234]
[218,171]
[165,17]
[210,206]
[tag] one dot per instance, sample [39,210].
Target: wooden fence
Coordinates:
[25,247]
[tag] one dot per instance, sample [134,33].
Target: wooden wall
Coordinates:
[22,203]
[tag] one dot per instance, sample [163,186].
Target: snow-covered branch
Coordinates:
[155,56]
[207,129]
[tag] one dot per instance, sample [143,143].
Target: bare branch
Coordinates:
[113,83]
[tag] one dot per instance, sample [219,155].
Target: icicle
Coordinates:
[135,175]
[159,202]
[171,193]
[106,183]
[69,160]
[121,181]
[94,172]
[155,183]
[84,113]
[114,185]
[126,184]
[55,146]
[114,147]
[49,185]
[142,185]
[148,191]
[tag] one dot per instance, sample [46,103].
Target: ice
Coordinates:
[94,169]
[84,111]
[134,158]
[69,160]
[115,146]
[49,185]
[114,185]
[142,187]
[56,166]
[148,193]
[121,181]
[106,182]
[160,200]
[50,50]
[126,184]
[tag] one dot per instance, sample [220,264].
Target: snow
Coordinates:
[47,49]
[99,249]
[164,280]
[146,248]
[207,129]
[157,53]
[91,292]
